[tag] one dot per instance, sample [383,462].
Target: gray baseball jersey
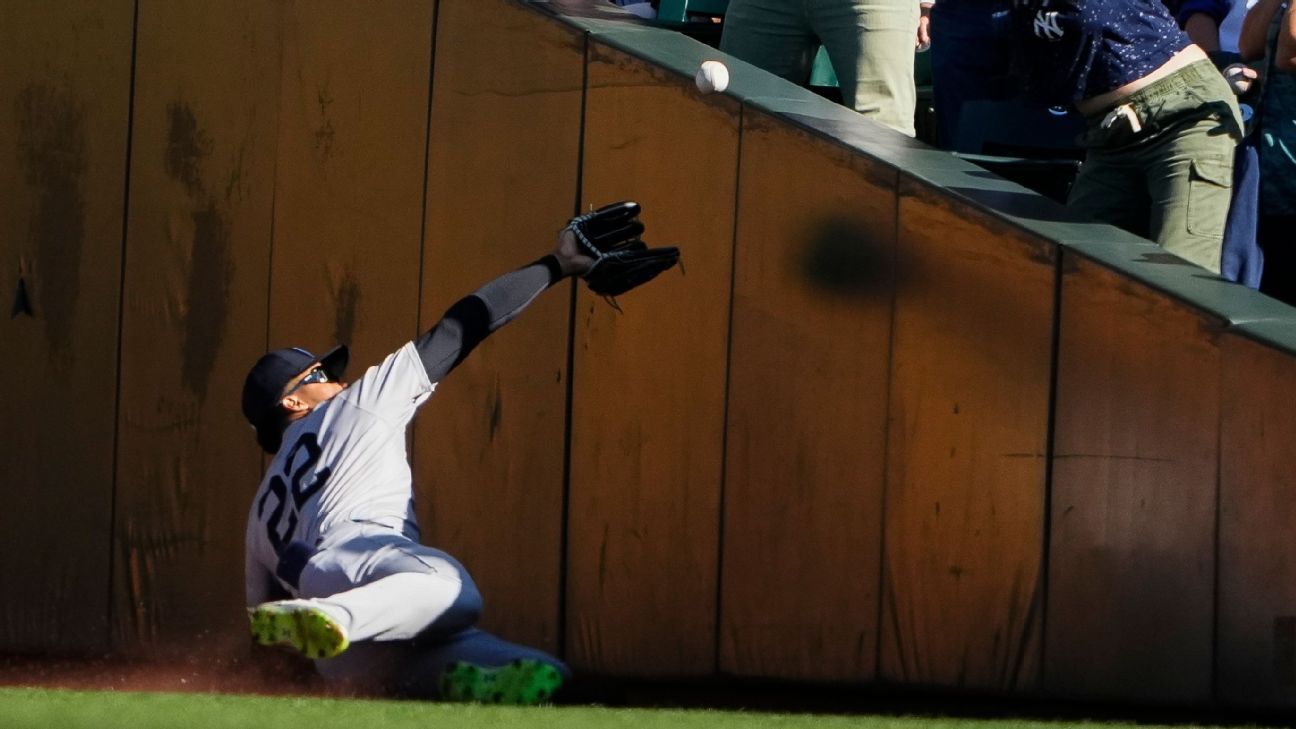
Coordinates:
[344,462]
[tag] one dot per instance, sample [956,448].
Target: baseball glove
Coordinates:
[610,235]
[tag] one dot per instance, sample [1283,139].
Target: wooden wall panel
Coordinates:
[348,207]
[197,251]
[969,408]
[502,170]
[648,384]
[807,408]
[1256,644]
[64,106]
[1132,556]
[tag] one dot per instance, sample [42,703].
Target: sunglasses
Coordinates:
[317,374]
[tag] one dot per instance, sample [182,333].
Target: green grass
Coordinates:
[21,708]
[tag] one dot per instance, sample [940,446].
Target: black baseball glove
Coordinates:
[610,235]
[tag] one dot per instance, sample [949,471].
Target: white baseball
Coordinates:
[712,76]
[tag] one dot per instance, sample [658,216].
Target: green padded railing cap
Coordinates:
[1151,265]
[1277,333]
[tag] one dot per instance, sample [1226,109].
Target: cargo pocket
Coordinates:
[1210,188]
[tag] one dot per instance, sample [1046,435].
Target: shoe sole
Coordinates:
[307,630]
[522,682]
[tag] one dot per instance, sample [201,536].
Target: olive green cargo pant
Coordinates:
[1161,164]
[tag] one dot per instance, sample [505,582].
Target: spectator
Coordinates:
[1269,33]
[1162,123]
[971,54]
[870,43]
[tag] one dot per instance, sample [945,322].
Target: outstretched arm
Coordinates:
[1285,58]
[471,319]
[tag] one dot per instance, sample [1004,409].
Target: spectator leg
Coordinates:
[1112,189]
[770,34]
[871,45]
[1191,184]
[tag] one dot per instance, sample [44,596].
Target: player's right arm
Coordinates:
[474,317]
[393,389]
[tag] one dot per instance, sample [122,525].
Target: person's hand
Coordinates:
[568,253]
[1240,77]
[923,41]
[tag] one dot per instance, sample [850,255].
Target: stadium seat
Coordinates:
[1030,145]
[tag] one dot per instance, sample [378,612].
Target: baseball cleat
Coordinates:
[300,625]
[522,682]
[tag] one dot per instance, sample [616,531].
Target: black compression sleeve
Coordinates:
[471,319]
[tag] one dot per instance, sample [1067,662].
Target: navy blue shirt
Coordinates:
[1077,49]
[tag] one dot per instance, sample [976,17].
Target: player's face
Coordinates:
[313,386]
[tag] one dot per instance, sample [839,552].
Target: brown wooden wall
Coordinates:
[503,169]
[65,76]
[198,235]
[806,425]
[883,426]
[966,456]
[1132,560]
[647,412]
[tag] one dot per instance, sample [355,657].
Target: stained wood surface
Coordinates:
[65,95]
[1256,647]
[649,382]
[349,177]
[805,451]
[489,447]
[1132,559]
[194,320]
[966,459]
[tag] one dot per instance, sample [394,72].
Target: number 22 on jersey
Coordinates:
[291,491]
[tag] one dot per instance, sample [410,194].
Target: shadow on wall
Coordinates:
[844,258]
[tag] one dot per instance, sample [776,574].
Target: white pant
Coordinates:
[383,586]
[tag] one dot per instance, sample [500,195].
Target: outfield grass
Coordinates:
[22,708]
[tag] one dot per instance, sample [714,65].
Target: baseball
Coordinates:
[712,76]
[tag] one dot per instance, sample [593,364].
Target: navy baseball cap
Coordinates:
[265,383]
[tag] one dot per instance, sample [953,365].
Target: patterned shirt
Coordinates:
[1069,50]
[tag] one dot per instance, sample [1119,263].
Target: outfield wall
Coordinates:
[898,420]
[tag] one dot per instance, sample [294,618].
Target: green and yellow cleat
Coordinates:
[300,625]
[522,682]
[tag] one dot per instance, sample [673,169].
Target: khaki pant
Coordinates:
[870,43]
[1161,164]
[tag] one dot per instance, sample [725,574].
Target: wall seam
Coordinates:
[728,389]
[886,436]
[1046,535]
[121,316]
[569,395]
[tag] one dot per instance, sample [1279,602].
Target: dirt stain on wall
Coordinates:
[187,146]
[53,156]
[346,302]
[211,267]
[211,271]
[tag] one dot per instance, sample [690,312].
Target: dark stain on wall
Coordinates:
[187,146]
[211,266]
[324,134]
[346,302]
[52,154]
[211,272]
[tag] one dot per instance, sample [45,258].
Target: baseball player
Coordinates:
[334,565]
